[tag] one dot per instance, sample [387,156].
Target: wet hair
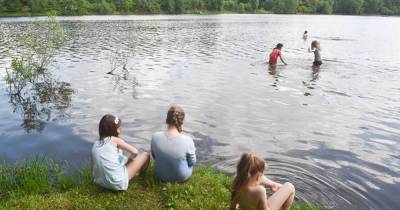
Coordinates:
[314,44]
[108,126]
[248,166]
[279,46]
[175,117]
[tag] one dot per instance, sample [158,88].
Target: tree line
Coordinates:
[86,7]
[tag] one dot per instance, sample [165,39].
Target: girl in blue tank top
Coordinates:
[111,168]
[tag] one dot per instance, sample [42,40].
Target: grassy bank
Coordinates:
[41,184]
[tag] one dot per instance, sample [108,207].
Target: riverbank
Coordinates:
[43,184]
[205,12]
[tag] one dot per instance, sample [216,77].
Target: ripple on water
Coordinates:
[339,144]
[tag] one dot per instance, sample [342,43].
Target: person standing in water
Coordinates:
[248,187]
[305,35]
[315,47]
[275,54]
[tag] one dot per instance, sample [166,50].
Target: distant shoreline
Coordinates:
[19,15]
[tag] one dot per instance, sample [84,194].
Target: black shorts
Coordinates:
[317,63]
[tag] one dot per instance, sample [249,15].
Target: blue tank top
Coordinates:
[109,170]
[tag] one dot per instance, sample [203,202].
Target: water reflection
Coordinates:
[39,99]
[274,73]
[315,74]
[202,63]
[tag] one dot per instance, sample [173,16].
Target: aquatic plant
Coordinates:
[42,42]
[31,87]
[119,57]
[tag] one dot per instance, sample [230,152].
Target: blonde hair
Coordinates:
[314,44]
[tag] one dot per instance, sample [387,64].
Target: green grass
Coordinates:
[41,184]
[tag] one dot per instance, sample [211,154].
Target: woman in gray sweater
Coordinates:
[173,153]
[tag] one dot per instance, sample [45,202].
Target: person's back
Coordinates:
[172,154]
[111,168]
[249,198]
[248,187]
[109,165]
[273,56]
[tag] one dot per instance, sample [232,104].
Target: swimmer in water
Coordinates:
[275,54]
[305,35]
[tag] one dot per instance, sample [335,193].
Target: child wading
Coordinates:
[305,35]
[248,187]
[275,54]
[112,169]
[315,47]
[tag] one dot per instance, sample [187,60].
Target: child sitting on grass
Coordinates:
[174,153]
[248,187]
[111,169]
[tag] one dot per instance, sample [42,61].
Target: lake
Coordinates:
[334,133]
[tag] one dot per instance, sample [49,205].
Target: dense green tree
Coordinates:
[307,6]
[254,4]
[83,7]
[38,6]
[104,7]
[325,7]
[168,6]
[284,6]
[179,6]
[372,6]
[196,5]
[230,5]
[214,5]
[75,7]
[12,5]
[2,9]
[349,6]
[147,6]
[127,6]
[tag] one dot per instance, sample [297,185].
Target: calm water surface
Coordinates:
[335,133]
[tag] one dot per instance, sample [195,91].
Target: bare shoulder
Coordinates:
[117,140]
[259,191]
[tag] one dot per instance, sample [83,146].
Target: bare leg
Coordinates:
[264,181]
[138,164]
[282,198]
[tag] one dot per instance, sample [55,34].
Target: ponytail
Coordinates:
[248,166]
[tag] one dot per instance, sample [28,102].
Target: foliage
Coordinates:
[43,184]
[32,90]
[84,7]
[349,6]
[42,42]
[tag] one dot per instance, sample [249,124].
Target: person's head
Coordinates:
[109,126]
[175,117]
[305,32]
[249,168]
[315,45]
[279,46]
